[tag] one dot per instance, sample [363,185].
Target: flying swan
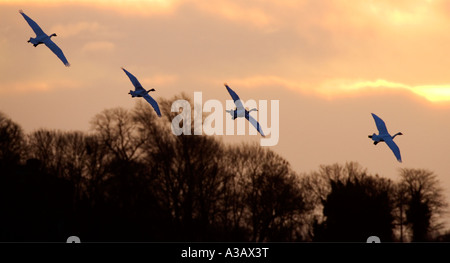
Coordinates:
[141,92]
[240,111]
[384,136]
[42,37]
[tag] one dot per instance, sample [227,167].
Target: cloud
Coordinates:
[434,93]
[98,46]
[342,87]
[30,86]
[329,48]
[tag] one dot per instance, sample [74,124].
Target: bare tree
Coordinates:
[45,146]
[117,131]
[63,155]
[272,204]
[184,169]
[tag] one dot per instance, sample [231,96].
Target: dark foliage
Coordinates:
[131,179]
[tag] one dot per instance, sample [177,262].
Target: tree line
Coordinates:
[131,179]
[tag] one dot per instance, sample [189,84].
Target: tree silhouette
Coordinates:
[117,132]
[36,203]
[125,205]
[185,172]
[357,205]
[268,199]
[132,179]
[424,201]
[12,143]
[399,202]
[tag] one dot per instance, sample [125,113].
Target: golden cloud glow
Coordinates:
[338,87]
[345,87]
[391,37]
[401,12]
[433,93]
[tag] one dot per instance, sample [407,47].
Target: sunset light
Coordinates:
[224,120]
[342,88]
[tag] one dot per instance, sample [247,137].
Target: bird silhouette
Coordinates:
[384,136]
[42,37]
[141,92]
[240,111]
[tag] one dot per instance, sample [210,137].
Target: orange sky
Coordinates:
[329,63]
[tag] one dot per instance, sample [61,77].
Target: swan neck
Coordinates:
[398,133]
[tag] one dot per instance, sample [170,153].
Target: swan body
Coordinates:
[141,92]
[384,136]
[241,112]
[43,38]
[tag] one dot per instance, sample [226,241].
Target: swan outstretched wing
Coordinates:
[235,98]
[394,148]
[36,28]
[255,124]
[134,80]
[58,52]
[381,126]
[152,102]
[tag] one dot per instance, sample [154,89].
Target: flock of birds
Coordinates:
[239,112]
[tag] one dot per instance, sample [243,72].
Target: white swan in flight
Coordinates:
[240,111]
[42,37]
[141,92]
[384,136]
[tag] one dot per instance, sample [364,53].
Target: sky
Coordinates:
[330,64]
